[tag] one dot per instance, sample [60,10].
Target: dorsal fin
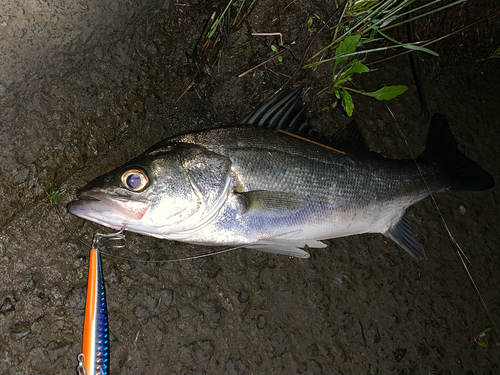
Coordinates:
[285,111]
[288,113]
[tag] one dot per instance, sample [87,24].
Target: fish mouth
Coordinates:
[110,210]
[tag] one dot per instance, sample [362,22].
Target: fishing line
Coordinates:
[173,260]
[459,251]
[56,207]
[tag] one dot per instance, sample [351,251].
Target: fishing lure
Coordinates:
[94,359]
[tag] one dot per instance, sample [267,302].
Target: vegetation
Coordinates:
[362,23]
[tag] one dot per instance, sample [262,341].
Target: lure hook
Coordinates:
[115,236]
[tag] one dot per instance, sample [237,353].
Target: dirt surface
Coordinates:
[360,306]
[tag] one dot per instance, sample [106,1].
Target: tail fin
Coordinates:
[462,174]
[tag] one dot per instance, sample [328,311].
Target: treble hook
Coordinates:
[116,236]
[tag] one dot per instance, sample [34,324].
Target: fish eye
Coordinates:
[135,179]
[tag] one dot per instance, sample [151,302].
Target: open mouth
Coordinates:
[104,208]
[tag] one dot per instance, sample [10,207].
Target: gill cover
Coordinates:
[195,197]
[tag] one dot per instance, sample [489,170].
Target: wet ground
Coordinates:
[360,306]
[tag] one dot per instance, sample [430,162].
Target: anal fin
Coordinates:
[291,251]
[402,234]
[286,247]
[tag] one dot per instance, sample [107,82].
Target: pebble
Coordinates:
[243,297]
[171,314]
[20,330]
[261,322]
[30,285]
[141,313]
[7,306]
[187,311]
[76,298]
[131,294]
[166,298]
[279,343]
[196,353]
[399,354]
[58,351]
[235,367]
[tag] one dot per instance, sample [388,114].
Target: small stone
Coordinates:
[75,298]
[279,343]
[21,177]
[7,306]
[171,314]
[131,294]
[159,324]
[462,210]
[141,313]
[56,351]
[187,311]
[196,353]
[166,298]
[399,354]
[235,367]
[261,322]
[20,330]
[243,297]
[30,285]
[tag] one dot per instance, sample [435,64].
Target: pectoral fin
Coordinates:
[403,235]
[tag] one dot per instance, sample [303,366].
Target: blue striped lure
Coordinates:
[94,359]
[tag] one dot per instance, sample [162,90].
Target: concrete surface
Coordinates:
[85,86]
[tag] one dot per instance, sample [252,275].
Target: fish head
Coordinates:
[170,191]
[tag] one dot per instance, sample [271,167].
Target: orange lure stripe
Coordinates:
[95,328]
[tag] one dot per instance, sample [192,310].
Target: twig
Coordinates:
[270,34]
[262,63]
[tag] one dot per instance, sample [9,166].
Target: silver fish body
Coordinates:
[270,191]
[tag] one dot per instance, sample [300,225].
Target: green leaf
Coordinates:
[280,58]
[274,48]
[495,55]
[347,102]
[339,82]
[421,49]
[412,46]
[348,45]
[54,195]
[386,93]
[357,67]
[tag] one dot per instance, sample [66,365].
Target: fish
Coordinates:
[269,182]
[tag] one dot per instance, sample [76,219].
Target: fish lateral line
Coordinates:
[310,141]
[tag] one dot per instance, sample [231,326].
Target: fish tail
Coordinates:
[460,172]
